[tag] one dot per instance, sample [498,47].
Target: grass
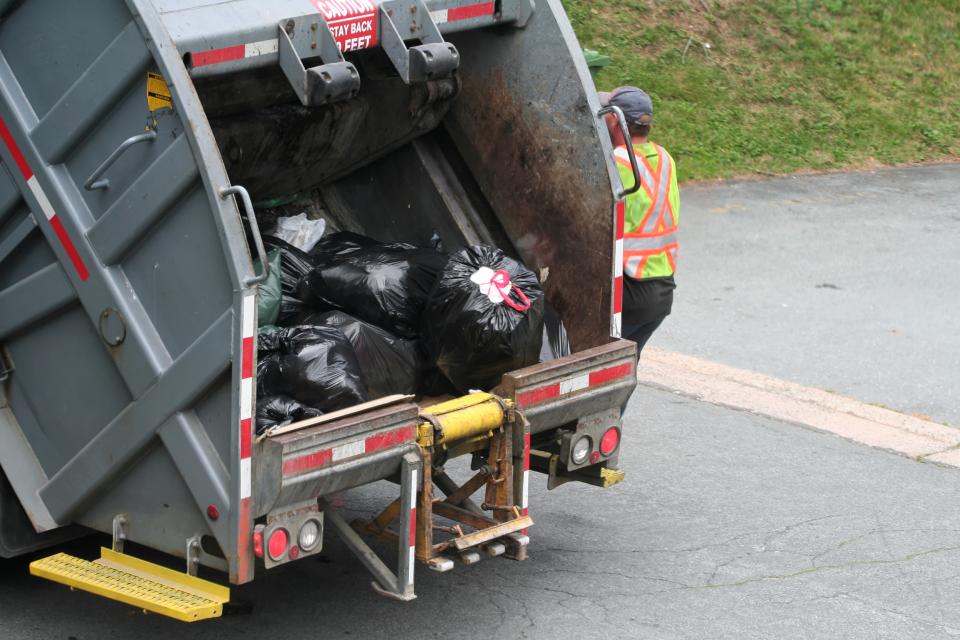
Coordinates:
[746,87]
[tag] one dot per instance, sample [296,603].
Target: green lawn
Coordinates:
[746,87]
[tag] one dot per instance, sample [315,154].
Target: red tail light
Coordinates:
[277,544]
[258,543]
[610,441]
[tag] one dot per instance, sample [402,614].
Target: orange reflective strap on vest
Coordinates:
[657,232]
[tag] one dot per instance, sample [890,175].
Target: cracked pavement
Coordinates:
[730,525]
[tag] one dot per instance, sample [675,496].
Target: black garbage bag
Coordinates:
[434,384]
[386,285]
[279,410]
[315,365]
[340,244]
[389,364]
[484,318]
[294,265]
[555,341]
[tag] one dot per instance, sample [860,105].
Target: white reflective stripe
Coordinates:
[440,16]
[413,490]
[348,450]
[244,478]
[575,384]
[647,244]
[524,499]
[632,268]
[660,204]
[263,47]
[410,558]
[618,259]
[246,398]
[41,197]
[248,315]
[617,325]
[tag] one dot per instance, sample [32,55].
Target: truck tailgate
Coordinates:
[558,392]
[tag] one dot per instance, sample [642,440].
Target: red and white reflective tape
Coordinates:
[324,457]
[248,318]
[463,13]
[525,494]
[572,385]
[412,549]
[65,241]
[616,329]
[235,52]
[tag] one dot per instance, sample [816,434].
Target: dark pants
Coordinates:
[640,333]
[645,304]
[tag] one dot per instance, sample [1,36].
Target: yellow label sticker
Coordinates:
[158,93]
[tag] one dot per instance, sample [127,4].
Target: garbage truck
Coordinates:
[141,140]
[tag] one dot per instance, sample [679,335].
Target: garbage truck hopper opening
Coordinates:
[128,332]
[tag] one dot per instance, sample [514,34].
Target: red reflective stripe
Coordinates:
[413,526]
[670,258]
[246,358]
[246,438]
[646,188]
[610,373]
[244,540]
[18,158]
[390,438]
[307,462]
[621,217]
[470,11]
[644,253]
[70,248]
[656,183]
[526,451]
[202,58]
[538,395]
[594,378]
[618,294]
[666,194]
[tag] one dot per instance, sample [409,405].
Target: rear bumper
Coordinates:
[333,456]
[562,391]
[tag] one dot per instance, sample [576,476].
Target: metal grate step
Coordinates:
[141,584]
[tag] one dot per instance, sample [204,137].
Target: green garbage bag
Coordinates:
[268,300]
[595,60]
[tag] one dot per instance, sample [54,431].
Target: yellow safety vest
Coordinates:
[652,214]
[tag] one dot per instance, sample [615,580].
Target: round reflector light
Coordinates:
[309,535]
[277,544]
[580,450]
[610,441]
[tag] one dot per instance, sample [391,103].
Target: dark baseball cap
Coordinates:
[636,105]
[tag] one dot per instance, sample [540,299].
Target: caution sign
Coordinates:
[353,23]
[158,93]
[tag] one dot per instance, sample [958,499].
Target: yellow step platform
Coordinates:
[138,583]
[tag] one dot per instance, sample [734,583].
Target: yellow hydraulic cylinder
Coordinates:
[467,416]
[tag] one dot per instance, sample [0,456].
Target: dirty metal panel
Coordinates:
[301,464]
[561,391]
[525,122]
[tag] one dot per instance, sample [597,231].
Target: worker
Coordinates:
[651,216]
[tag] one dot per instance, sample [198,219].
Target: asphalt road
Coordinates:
[847,282]
[730,525]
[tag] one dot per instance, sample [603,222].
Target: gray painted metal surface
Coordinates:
[125,270]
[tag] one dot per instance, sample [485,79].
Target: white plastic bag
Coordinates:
[300,231]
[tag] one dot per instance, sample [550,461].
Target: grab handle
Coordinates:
[92,182]
[257,239]
[633,156]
